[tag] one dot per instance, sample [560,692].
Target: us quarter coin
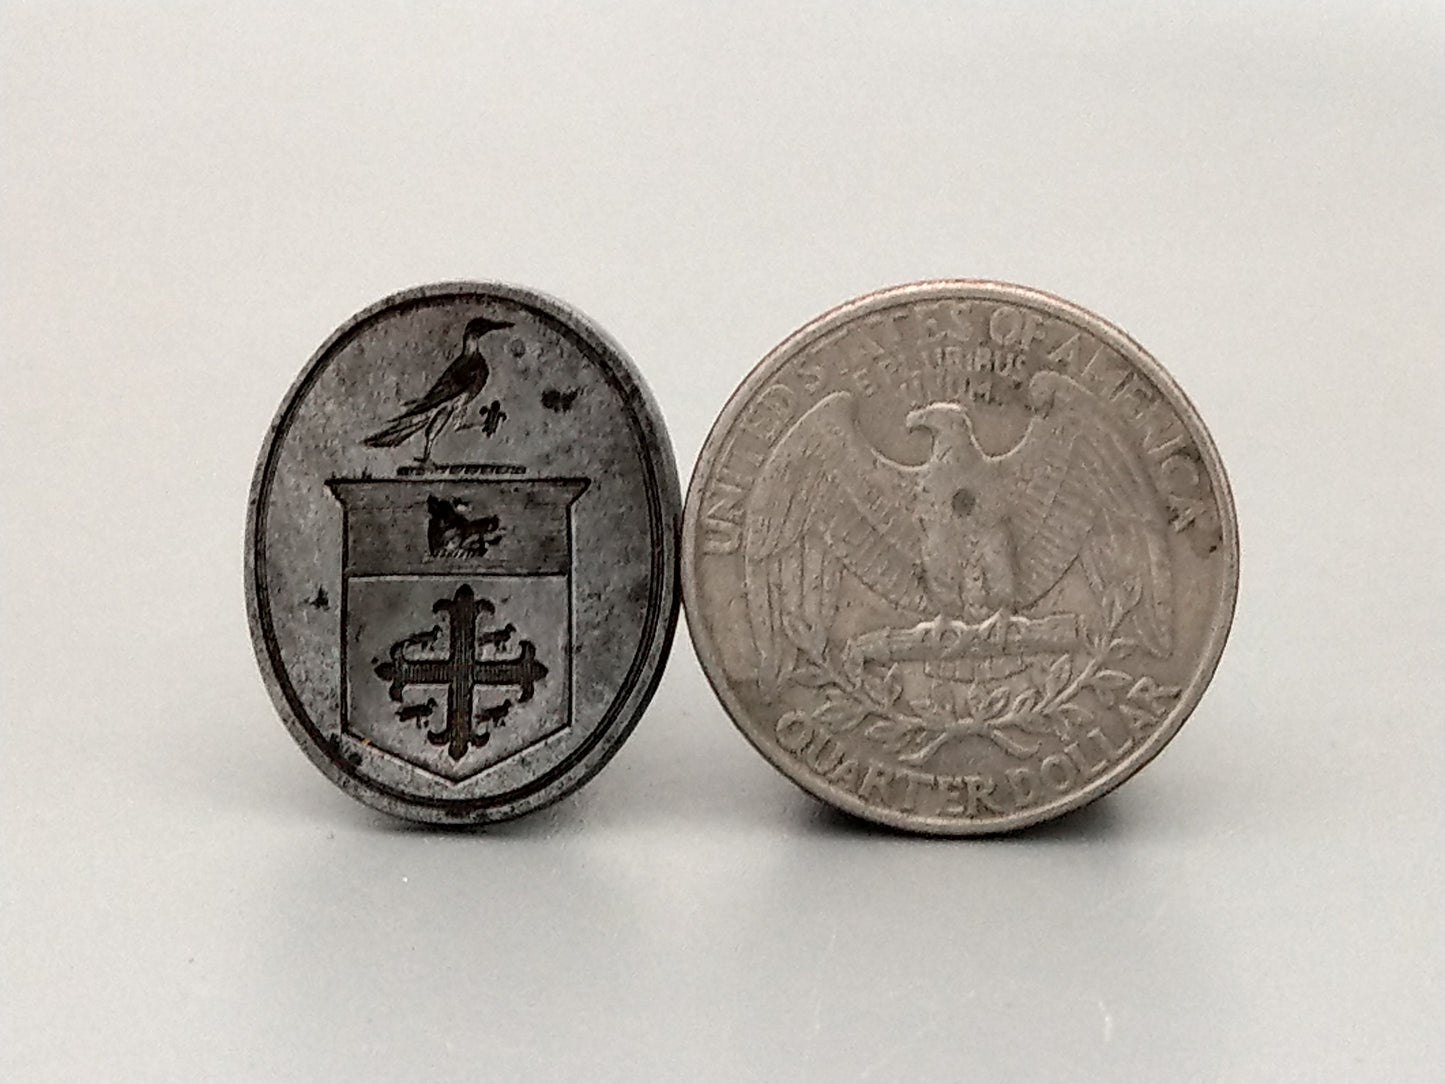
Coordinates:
[959,557]
[461,553]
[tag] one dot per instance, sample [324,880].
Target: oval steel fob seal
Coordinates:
[959,557]
[461,553]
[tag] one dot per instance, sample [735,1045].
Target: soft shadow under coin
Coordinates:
[1095,821]
[817,818]
[563,818]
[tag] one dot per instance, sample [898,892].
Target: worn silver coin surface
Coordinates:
[959,557]
[461,553]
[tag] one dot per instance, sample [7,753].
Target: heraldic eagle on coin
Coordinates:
[964,536]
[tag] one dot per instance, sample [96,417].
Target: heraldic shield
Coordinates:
[456,617]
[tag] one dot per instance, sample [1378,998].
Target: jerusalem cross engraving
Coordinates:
[462,672]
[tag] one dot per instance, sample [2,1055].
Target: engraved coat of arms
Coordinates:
[456,617]
[456,605]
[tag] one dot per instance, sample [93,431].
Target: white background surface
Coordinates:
[194,197]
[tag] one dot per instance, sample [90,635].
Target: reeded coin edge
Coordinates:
[986,290]
[664,501]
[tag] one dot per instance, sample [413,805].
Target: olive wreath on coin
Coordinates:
[1013,715]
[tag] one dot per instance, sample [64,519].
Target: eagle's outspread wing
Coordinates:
[825,500]
[1082,492]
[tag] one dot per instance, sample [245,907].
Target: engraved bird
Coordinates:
[964,535]
[460,383]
